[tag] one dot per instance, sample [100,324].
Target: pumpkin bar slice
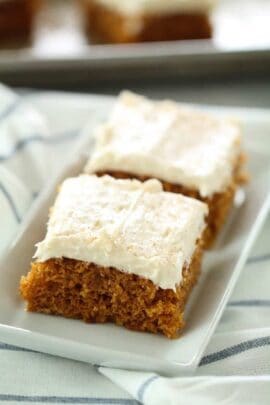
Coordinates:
[17,19]
[129,21]
[119,251]
[190,151]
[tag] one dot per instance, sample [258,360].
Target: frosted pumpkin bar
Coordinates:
[127,21]
[120,251]
[190,151]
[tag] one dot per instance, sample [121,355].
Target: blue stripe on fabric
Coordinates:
[10,202]
[249,303]
[10,109]
[258,259]
[66,400]
[234,350]
[143,387]
[211,358]
[38,138]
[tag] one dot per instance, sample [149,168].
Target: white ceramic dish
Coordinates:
[113,346]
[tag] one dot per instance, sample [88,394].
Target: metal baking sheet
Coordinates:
[61,53]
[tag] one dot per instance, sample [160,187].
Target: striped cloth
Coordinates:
[235,368]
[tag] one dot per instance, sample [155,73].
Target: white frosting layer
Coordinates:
[143,7]
[168,141]
[131,226]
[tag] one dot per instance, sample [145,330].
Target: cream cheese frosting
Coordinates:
[145,7]
[168,141]
[132,226]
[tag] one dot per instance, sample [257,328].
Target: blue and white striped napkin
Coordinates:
[235,369]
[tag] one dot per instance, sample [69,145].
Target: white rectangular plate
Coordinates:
[113,346]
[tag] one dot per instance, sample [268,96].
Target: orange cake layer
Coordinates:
[77,289]
[109,26]
[16,18]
